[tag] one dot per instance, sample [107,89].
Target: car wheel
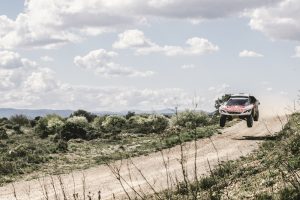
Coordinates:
[222,120]
[256,117]
[250,121]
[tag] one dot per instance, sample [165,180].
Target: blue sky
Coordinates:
[121,55]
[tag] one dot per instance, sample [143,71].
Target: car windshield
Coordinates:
[237,102]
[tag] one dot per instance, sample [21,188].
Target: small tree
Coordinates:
[89,116]
[129,114]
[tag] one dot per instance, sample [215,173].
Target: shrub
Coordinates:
[138,124]
[114,124]
[49,125]
[3,134]
[159,123]
[17,129]
[73,130]
[147,124]
[294,145]
[190,119]
[97,122]
[207,182]
[89,116]
[62,146]
[34,121]
[129,114]
[289,193]
[20,120]
[78,120]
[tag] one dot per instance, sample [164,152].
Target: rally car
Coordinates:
[243,106]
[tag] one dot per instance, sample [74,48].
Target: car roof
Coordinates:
[240,95]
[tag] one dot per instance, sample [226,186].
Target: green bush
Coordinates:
[289,194]
[147,124]
[159,123]
[20,120]
[49,125]
[190,119]
[17,129]
[62,146]
[73,131]
[97,122]
[114,124]
[78,120]
[138,124]
[207,182]
[3,134]
[294,145]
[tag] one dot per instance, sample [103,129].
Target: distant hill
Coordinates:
[7,112]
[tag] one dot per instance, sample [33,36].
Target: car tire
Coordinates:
[256,117]
[222,120]
[250,121]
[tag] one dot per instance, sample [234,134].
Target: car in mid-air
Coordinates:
[243,106]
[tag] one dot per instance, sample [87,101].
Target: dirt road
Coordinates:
[234,142]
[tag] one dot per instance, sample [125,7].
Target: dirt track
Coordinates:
[235,141]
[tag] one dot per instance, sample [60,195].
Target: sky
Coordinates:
[129,54]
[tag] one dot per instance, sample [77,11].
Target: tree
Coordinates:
[129,114]
[89,116]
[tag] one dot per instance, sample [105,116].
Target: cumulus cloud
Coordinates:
[10,60]
[52,23]
[279,21]
[33,86]
[247,53]
[18,73]
[297,52]
[101,62]
[136,40]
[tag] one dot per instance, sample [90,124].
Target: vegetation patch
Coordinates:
[270,173]
[54,145]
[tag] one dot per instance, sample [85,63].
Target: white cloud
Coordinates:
[101,62]
[136,40]
[17,73]
[297,52]
[188,66]
[279,21]
[132,38]
[52,23]
[246,53]
[47,59]
[9,60]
